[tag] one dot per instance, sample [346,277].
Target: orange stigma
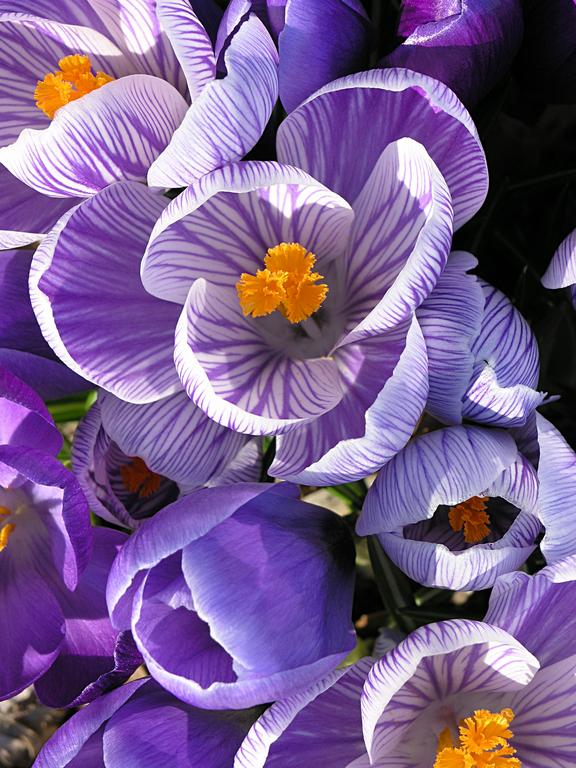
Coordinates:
[482,743]
[137,478]
[73,80]
[471,517]
[287,284]
[6,530]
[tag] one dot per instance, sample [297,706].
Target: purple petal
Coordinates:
[387,386]
[110,134]
[305,66]
[326,137]
[450,320]
[399,242]
[93,658]
[225,223]
[229,116]
[25,419]
[89,300]
[50,378]
[460,462]
[561,271]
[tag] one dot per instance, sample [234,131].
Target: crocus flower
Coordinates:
[94,94]
[132,460]
[317,42]
[561,272]
[23,350]
[456,694]
[237,595]
[483,358]
[293,291]
[455,508]
[140,724]
[467,44]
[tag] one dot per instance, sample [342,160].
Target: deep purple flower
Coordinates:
[456,508]
[483,358]
[561,272]
[237,595]
[317,41]
[515,671]
[140,724]
[376,212]
[467,44]
[132,460]
[95,93]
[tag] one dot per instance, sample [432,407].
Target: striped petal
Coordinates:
[91,306]
[399,242]
[561,271]
[230,370]
[557,496]
[435,664]
[386,388]
[191,43]
[328,137]
[224,224]
[501,391]
[450,319]
[460,462]
[174,437]
[112,133]
[321,726]
[228,117]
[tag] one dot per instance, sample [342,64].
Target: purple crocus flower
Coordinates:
[483,358]
[132,460]
[141,724]
[561,272]
[99,93]
[338,365]
[456,508]
[458,693]
[467,44]
[237,595]
[317,42]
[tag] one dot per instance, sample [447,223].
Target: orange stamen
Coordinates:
[471,517]
[73,80]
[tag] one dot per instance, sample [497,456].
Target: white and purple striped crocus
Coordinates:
[237,595]
[290,287]
[458,694]
[93,91]
[561,272]
[132,460]
[456,508]
[53,568]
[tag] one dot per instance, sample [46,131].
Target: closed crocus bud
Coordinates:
[237,595]
[467,44]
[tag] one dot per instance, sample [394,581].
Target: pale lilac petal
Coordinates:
[229,116]
[191,43]
[450,319]
[506,369]
[225,223]
[434,663]
[174,437]
[327,136]
[387,386]
[231,372]
[561,271]
[110,134]
[460,462]
[92,309]
[399,242]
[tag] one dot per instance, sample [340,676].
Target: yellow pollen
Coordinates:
[287,284]
[73,80]
[137,478]
[5,534]
[483,742]
[471,517]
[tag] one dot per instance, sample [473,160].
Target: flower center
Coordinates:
[72,80]
[471,517]
[482,742]
[137,478]
[7,528]
[286,284]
